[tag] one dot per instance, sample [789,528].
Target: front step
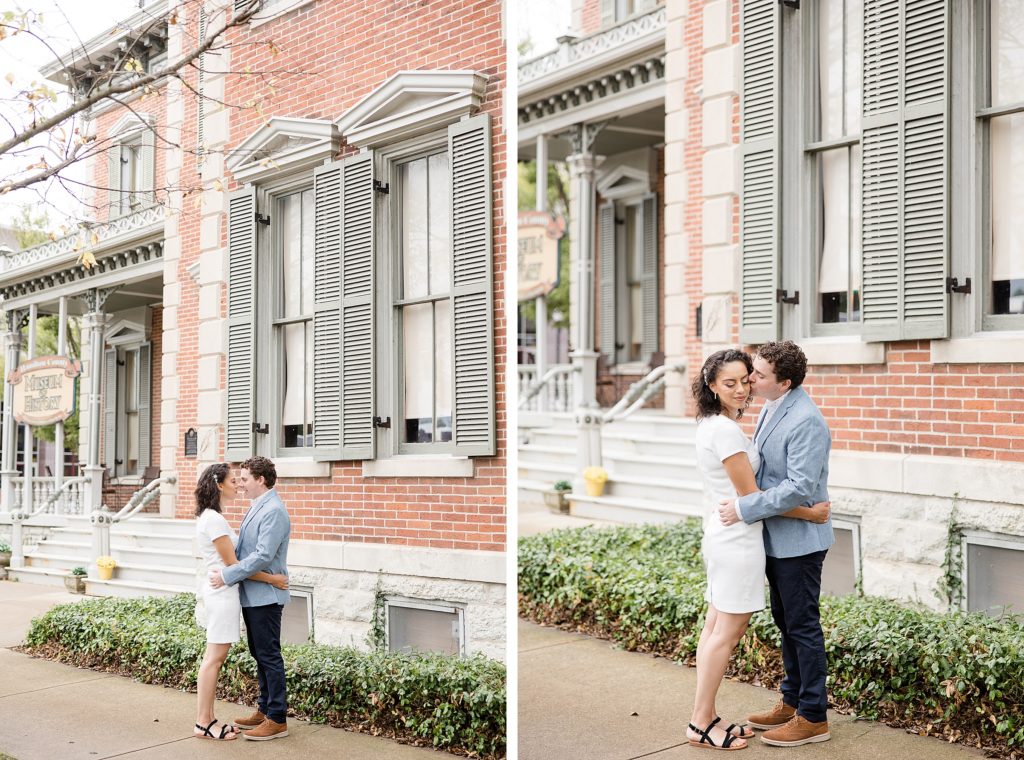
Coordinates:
[122,553]
[626,510]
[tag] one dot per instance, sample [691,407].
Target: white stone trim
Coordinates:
[393,559]
[416,466]
[412,103]
[974,480]
[308,142]
[638,182]
[842,350]
[980,348]
[286,7]
[301,467]
[129,124]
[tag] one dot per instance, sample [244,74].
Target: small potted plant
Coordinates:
[595,478]
[5,554]
[75,581]
[106,564]
[555,498]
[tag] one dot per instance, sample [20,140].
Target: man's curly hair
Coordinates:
[787,359]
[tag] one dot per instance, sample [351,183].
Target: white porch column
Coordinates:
[9,439]
[583,356]
[541,317]
[28,488]
[96,322]
[58,435]
[581,176]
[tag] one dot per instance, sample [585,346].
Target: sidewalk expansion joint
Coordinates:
[657,751]
[149,747]
[550,646]
[56,686]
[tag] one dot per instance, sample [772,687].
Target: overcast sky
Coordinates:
[66,23]
[542,21]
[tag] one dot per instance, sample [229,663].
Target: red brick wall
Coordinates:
[908,405]
[154,105]
[349,49]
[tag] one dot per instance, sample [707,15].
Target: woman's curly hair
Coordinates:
[207,493]
[708,404]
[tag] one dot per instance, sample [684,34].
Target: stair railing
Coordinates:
[102,519]
[640,392]
[20,517]
[556,379]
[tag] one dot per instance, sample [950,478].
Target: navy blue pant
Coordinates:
[795,584]
[263,629]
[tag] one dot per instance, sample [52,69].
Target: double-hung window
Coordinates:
[1000,124]
[422,299]
[127,395]
[834,155]
[131,167]
[360,316]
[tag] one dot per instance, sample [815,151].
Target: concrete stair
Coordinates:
[155,557]
[650,458]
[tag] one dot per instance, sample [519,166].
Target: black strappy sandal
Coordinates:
[745,731]
[224,730]
[706,742]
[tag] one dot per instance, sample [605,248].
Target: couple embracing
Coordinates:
[247,577]
[758,523]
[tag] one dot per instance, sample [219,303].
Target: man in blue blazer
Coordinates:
[262,545]
[794,442]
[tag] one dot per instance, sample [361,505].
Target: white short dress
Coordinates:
[217,609]
[733,555]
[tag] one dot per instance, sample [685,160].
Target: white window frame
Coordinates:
[305,592]
[268,346]
[422,604]
[851,523]
[390,367]
[983,538]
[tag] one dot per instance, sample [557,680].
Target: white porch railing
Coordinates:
[70,502]
[640,392]
[551,393]
[103,519]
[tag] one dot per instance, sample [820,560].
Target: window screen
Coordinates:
[995,579]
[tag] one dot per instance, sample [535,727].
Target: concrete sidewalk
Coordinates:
[581,698]
[52,711]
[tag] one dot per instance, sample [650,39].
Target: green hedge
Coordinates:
[453,703]
[957,675]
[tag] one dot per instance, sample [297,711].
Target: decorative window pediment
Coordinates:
[132,328]
[412,103]
[624,181]
[282,145]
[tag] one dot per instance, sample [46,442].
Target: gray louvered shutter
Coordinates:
[473,423]
[110,410]
[905,176]
[357,303]
[147,167]
[649,277]
[238,434]
[114,181]
[145,405]
[606,281]
[759,214]
[327,386]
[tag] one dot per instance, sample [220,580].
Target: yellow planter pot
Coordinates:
[106,573]
[594,487]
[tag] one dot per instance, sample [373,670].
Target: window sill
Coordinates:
[851,350]
[302,468]
[285,7]
[419,467]
[980,348]
[631,368]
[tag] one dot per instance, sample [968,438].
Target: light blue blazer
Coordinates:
[794,449]
[262,546]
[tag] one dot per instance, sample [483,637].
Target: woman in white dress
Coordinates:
[734,555]
[216,541]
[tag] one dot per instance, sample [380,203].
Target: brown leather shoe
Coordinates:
[779,715]
[251,722]
[267,730]
[797,731]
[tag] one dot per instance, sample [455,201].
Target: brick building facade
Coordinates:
[329,192]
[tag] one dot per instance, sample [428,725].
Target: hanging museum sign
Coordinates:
[45,389]
[540,234]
